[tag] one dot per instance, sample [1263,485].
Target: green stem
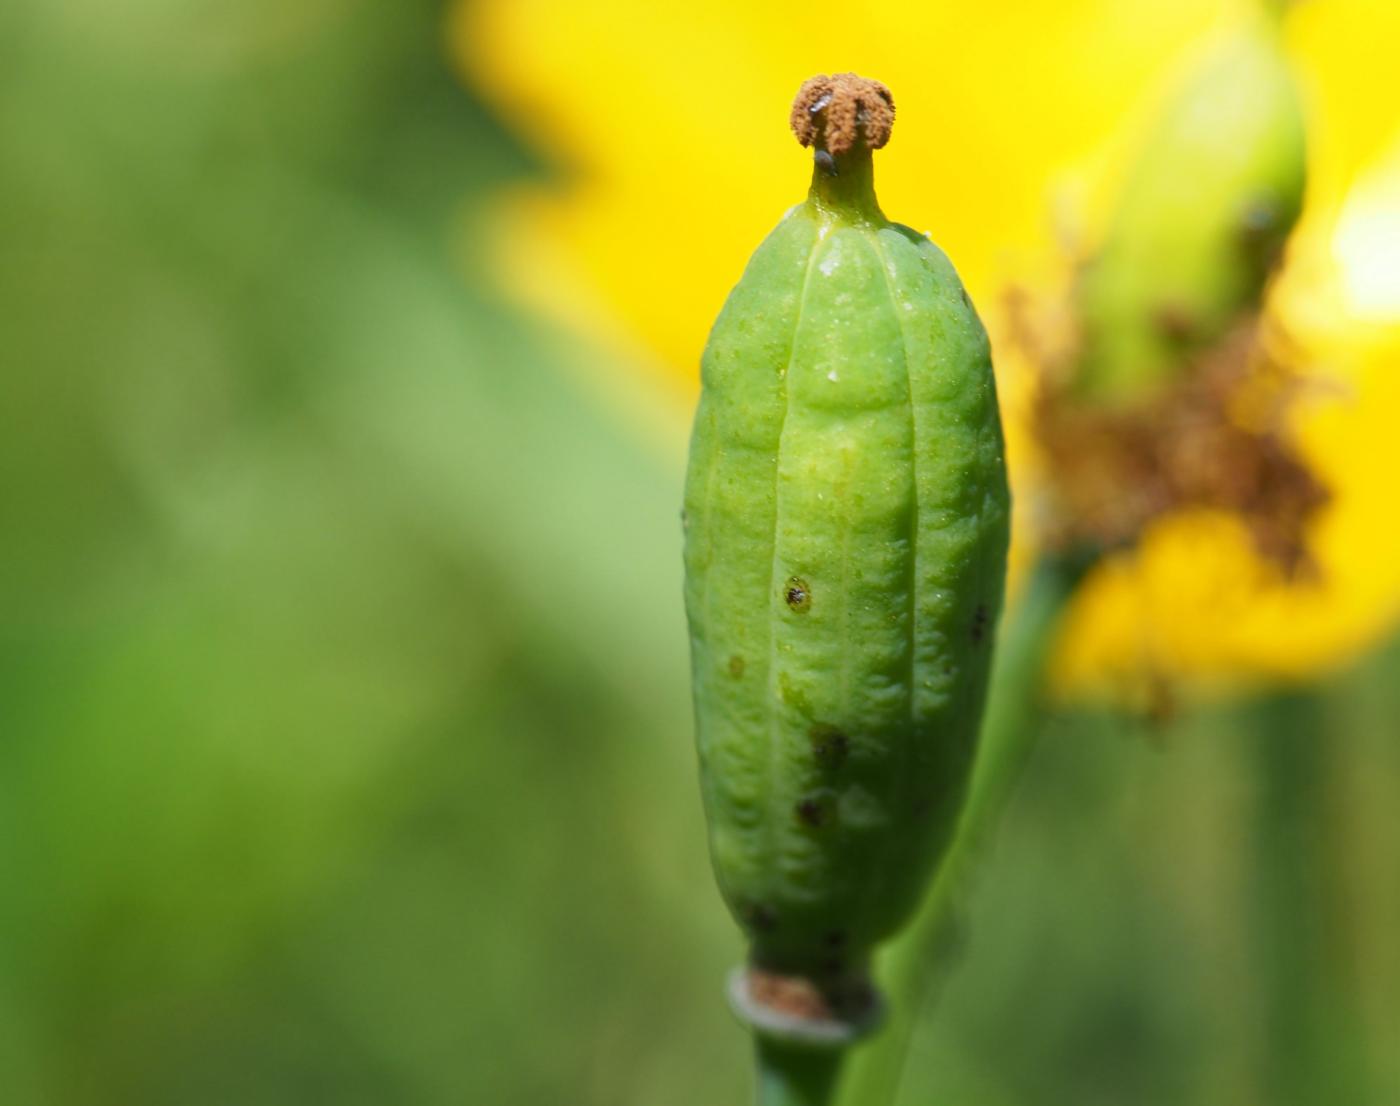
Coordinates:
[796,1075]
[1009,730]
[843,187]
[1312,1018]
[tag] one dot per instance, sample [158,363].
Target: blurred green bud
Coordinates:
[1201,222]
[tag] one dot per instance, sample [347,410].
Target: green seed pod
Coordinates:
[846,530]
[1201,222]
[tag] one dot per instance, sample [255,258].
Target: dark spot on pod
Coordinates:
[967,301]
[829,745]
[1173,322]
[797,594]
[736,666]
[1261,232]
[759,916]
[1259,219]
[825,162]
[815,811]
[835,938]
[979,623]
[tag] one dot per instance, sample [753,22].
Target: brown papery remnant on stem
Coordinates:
[843,995]
[841,112]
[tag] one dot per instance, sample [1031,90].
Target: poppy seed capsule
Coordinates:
[845,554]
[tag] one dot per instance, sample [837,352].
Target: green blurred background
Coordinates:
[346,751]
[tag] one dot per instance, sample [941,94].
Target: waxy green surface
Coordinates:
[846,517]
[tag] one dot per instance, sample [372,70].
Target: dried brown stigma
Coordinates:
[837,113]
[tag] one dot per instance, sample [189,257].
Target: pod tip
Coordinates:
[840,112]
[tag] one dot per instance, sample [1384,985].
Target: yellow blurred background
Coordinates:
[346,755]
[1014,129]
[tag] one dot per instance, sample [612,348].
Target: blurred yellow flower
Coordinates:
[669,125]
